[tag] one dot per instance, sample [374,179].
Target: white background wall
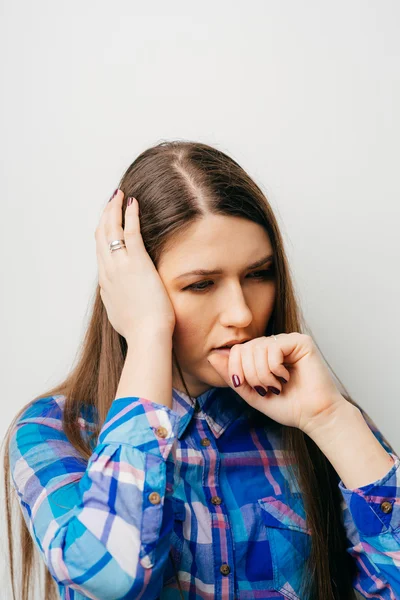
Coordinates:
[304,95]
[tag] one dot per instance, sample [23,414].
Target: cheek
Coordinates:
[262,303]
[185,334]
[188,333]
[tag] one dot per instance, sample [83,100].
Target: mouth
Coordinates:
[231,343]
[228,347]
[222,349]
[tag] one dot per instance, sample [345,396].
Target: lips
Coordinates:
[222,350]
[228,345]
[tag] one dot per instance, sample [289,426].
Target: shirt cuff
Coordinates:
[375,507]
[142,424]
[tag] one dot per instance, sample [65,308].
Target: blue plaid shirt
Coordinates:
[206,481]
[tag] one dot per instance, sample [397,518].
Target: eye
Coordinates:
[264,274]
[195,287]
[203,285]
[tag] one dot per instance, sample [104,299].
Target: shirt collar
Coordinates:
[218,405]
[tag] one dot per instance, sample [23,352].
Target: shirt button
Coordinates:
[155,498]
[386,507]
[197,408]
[205,442]
[225,569]
[161,432]
[146,562]
[216,500]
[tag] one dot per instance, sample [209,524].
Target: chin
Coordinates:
[216,381]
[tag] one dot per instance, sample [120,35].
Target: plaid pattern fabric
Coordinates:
[208,484]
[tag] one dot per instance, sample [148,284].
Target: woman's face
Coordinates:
[234,304]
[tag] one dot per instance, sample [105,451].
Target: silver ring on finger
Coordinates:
[116,245]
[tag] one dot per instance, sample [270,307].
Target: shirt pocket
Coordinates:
[176,540]
[290,541]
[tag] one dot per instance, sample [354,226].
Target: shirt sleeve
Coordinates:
[101,526]
[371,516]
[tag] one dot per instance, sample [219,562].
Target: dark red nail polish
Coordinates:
[116,191]
[260,390]
[282,379]
[235,380]
[273,390]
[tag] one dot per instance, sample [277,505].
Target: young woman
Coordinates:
[167,467]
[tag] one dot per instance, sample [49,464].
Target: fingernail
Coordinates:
[235,380]
[114,194]
[282,379]
[273,390]
[129,201]
[260,390]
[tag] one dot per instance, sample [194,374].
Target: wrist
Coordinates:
[147,371]
[328,423]
[160,333]
[331,425]
[350,446]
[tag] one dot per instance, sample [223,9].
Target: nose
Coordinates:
[235,311]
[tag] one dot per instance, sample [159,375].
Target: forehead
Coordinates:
[216,241]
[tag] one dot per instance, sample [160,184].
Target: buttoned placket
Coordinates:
[224,572]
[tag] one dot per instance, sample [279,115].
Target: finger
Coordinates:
[294,346]
[235,369]
[264,355]
[133,236]
[113,221]
[250,372]
[263,372]
[105,212]
[275,359]
[111,230]
[103,254]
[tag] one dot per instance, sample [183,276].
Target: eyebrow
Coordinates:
[204,272]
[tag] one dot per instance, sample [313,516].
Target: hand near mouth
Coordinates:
[310,395]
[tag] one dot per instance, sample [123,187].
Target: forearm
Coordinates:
[147,372]
[351,447]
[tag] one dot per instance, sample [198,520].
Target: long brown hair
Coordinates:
[177,183]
